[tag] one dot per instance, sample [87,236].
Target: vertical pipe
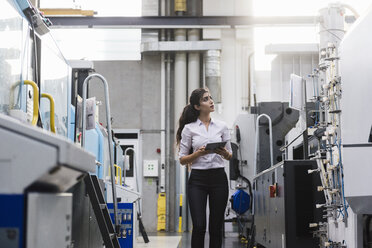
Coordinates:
[251,78]
[193,63]
[179,77]
[162,106]
[168,141]
[162,124]
[180,100]
[305,134]
[213,73]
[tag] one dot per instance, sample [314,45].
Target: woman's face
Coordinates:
[206,104]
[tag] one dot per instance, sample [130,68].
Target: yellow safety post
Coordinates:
[180,215]
[51,112]
[35,115]
[118,174]
[161,212]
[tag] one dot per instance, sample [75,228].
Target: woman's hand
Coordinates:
[223,152]
[201,151]
[189,159]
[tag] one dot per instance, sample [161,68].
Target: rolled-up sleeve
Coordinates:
[226,137]
[185,143]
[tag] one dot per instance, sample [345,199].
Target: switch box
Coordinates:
[150,168]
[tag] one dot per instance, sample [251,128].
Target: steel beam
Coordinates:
[170,22]
[177,46]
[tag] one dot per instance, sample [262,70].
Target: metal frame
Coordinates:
[109,130]
[153,22]
[258,140]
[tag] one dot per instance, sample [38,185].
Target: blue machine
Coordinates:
[125,215]
[95,144]
[240,201]
[12,220]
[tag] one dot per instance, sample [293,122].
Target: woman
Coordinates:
[208,178]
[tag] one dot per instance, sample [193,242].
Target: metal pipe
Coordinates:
[213,73]
[108,119]
[180,100]
[250,77]
[193,74]
[162,105]
[179,77]
[168,125]
[168,140]
[162,123]
[258,141]
[51,111]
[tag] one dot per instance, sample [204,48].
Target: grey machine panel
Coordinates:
[85,230]
[283,120]
[33,157]
[357,161]
[49,220]
[283,221]
[356,117]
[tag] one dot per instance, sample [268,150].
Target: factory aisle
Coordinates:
[227,242]
[159,242]
[176,240]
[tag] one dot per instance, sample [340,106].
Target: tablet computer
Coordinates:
[214,146]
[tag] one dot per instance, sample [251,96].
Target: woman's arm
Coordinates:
[188,159]
[185,147]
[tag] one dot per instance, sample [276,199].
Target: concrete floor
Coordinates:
[177,240]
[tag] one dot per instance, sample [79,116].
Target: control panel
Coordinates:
[125,216]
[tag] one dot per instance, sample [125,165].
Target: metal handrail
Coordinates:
[108,119]
[258,141]
[51,111]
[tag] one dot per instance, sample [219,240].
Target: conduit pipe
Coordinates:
[179,77]
[213,73]
[162,121]
[193,64]
[180,98]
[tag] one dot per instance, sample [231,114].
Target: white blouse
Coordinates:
[195,135]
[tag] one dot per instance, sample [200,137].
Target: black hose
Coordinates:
[246,180]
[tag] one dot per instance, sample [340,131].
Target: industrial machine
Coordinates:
[285,203]
[36,168]
[52,184]
[317,195]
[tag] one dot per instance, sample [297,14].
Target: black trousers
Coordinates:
[205,184]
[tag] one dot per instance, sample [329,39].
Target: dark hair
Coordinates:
[189,113]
